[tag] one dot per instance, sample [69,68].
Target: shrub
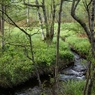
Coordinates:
[18,68]
[46,55]
[15,67]
[73,87]
[67,56]
[67,33]
[81,45]
[72,27]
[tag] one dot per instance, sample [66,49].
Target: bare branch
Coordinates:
[23,46]
[87,8]
[27,4]
[15,23]
[26,53]
[83,24]
[17,44]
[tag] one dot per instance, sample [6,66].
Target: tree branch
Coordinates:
[15,23]
[27,4]
[84,26]
[26,53]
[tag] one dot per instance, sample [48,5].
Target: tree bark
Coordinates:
[41,20]
[83,24]
[27,13]
[91,35]
[2,27]
[92,79]
[53,21]
[56,90]
[33,60]
[45,18]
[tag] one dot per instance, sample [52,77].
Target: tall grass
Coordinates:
[73,87]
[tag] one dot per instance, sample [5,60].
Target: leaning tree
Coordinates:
[89,30]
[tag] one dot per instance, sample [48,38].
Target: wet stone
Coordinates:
[80,68]
[30,91]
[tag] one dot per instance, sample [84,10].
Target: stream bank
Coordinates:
[76,71]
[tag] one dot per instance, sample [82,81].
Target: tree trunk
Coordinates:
[92,79]
[91,35]
[53,21]
[2,27]
[27,13]
[41,20]
[45,18]
[56,90]
[33,60]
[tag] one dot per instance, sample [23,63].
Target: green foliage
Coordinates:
[67,33]
[81,45]
[63,45]
[46,55]
[16,68]
[66,55]
[72,27]
[73,87]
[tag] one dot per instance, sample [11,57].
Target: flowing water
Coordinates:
[74,72]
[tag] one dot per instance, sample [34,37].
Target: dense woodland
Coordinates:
[36,38]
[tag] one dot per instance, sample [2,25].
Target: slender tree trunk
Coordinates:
[33,60]
[45,18]
[88,79]
[2,27]
[53,21]
[57,52]
[27,13]
[41,20]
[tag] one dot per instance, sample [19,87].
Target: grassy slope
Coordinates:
[16,68]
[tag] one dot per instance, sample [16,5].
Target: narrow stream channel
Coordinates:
[75,72]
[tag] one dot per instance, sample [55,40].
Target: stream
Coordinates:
[75,72]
